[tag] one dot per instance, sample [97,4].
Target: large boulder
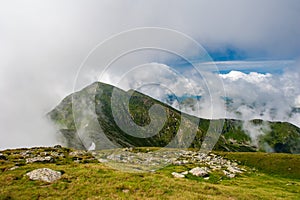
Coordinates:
[44,174]
[199,171]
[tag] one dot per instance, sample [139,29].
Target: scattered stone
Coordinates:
[57,155]
[44,174]
[206,178]
[177,175]
[228,174]
[26,153]
[199,171]
[234,170]
[184,173]
[39,159]
[13,168]
[125,190]
[78,153]
[103,160]
[140,160]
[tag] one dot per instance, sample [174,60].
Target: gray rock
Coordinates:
[234,170]
[26,153]
[44,174]
[177,175]
[78,153]
[199,171]
[13,168]
[184,173]
[102,160]
[39,159]
[228,174]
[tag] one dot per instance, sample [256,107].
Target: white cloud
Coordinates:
[252,96]
[252,77]
[44,42]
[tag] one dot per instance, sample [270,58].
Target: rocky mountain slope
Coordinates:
[85,120]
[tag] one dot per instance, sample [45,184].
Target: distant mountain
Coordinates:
[94,102]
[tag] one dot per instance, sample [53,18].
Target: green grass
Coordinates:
[276,164]
[98,181]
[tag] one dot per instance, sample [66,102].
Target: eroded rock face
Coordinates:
[44,174]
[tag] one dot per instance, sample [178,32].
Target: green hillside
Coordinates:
[279,137]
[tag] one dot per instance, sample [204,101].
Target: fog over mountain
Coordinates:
[43,43]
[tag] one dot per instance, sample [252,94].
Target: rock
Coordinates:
[177,175]
[206,178]
[184,173]
[44,174]
[177,162]
[102,160]
[125,190]
[78,153]
[57,146]
[234,170]
[199,171]
[57,155]
[25,153]
[228,174]
[39,159]
[13,168]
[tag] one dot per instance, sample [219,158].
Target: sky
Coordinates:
[255,44]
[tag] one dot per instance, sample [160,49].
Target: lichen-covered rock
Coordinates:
[44,174]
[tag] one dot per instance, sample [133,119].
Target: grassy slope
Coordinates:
[277,164]
[98,181]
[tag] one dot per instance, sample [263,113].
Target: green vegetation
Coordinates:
[90,180]
[275,164]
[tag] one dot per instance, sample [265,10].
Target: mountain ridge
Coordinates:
[281,137]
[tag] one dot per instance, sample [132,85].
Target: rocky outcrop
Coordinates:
[137,159]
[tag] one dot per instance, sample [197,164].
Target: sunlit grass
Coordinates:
[99,181]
